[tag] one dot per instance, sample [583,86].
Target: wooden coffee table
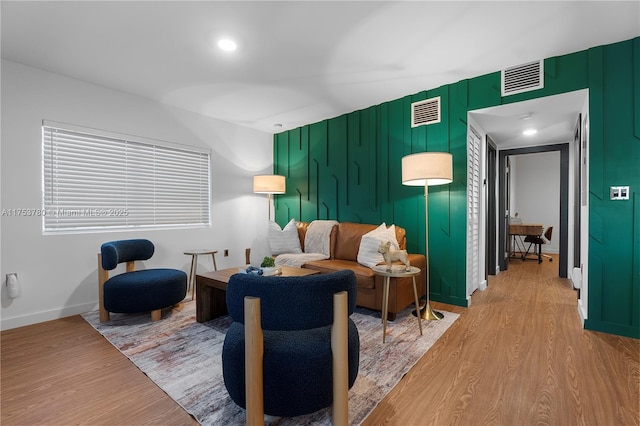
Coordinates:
[211,290]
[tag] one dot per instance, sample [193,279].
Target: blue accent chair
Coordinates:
[296,317]
[136,291]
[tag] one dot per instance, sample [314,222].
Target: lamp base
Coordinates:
[427,313]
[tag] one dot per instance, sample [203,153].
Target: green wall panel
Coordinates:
[596,118]
[483,91]
[636,88]
[560,75]
[614,297]
[349,168]
[362,152]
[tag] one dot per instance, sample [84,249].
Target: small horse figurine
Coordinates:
[389,254]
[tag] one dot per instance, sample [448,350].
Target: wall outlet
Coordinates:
[619,193]
[226,252]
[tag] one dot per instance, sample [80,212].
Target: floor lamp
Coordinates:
[269,184]
[427,169]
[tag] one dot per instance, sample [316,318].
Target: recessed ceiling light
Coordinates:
[530,132]
[227,44]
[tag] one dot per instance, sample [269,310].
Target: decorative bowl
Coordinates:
[274,270]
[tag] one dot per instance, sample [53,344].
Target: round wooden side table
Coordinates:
[191,284]
[398,271]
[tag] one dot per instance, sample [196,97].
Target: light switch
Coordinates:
[619,193]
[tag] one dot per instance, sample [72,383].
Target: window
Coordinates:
[96,180]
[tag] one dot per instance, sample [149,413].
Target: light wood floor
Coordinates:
[63,372]
[517,356]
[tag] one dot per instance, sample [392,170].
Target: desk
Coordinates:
[520,230]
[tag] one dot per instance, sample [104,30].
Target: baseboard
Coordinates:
[483,285]
[582,312]
[38,317]
[576,278]
[451,300]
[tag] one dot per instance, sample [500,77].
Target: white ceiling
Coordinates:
[298,62]
[553,117]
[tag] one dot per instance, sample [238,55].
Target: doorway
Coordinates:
[564,203]
[501,127]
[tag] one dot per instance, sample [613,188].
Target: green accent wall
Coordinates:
[348,168]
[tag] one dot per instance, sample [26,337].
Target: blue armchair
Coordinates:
[296,316]
[136,291]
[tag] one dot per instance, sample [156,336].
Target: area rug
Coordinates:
[184,358]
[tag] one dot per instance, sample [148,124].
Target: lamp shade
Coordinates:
[427,169]
[269,184]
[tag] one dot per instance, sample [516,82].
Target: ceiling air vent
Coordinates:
[523,78]
[425,112]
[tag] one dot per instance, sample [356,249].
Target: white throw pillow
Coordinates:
[284,240]
[259,250]
[368,252]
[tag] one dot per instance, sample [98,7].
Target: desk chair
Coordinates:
[538,241]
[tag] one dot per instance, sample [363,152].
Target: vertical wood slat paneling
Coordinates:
[390,125]
[621,151]
[363,208]
[383,161]
[282,166]
[557,81]
[636,87]
[407,207]
[356,162]
[307,207]
[596,114]
[317,152]
[411,203]
[370,207]
[336,169]
[440,265]
[298,189]
[354,172]
[635,266]
[442,142]
[484,91]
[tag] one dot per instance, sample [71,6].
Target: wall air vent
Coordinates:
[523,78]
[425,112]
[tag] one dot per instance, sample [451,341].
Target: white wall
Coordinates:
[536,192]
[58,273]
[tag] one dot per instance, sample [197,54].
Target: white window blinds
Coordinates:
[96,180]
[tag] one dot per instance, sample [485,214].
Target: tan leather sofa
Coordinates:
[344,245]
